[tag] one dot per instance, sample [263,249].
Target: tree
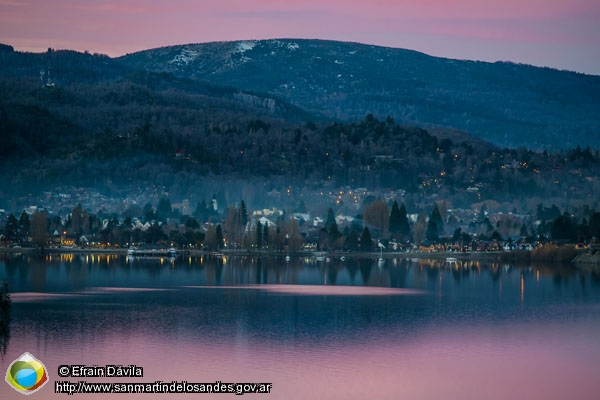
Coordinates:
[164,209]
[301,207]
[351,242]
[377,216]
[333,236]
[149,213]
[524,232]
[394,225]
[294,239]
[244,214]
[76,220]
[219,236]
[259,234]
[191,223]
[330,220]
[11,229]
[435,225]
[265,240]
[563,228]
[233,225]
[201,212]
[39,229]
[366,243]
[419,229]
[210,237]
[24,225]
[595,225]
[399,221]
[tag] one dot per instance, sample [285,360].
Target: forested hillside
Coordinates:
[87,120]
[504,103]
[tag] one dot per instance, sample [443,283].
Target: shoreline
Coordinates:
[506,256]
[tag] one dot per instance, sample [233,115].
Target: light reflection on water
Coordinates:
[466,330]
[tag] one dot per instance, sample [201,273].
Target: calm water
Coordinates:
[338,330]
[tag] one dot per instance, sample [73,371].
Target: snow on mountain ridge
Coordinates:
[242,47]
[185,57]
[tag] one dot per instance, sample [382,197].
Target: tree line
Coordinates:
[236,229]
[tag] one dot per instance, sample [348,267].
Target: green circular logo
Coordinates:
[26,374]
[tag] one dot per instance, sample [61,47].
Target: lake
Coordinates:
[353,329]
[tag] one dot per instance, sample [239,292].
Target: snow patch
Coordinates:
[290,46]
[185,57]
[243,47]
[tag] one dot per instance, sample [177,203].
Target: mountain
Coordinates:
[508,104]
[65,69]
[88,120]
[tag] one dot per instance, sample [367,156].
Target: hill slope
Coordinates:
[507,104]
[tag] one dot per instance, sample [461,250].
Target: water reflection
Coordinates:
[67,272]
[341,329]
[5,304]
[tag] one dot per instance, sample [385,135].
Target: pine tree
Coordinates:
[76,220]
[259,234]
[163,210]
[351,242]
[39,228]
[334,235]
[395,218]
[419,229]
[244,214]
[366,243]
[24,225]
[12,227]
[399,221]
[404,224]
[330,220]
[219,234]
[266,234]
[435,225]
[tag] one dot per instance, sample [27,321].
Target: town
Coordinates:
[357,220]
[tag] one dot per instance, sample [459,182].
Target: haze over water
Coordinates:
[352,330]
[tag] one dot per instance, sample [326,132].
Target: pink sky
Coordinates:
[563,34]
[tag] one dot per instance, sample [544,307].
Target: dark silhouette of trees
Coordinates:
[24,225]
[564,228]
[39,229]
[351,241]
[329,220]
[595,225]
[11,230]
[399,226]
[366,242]
[435,225]
[377,216]
[219,236]
[335,237]
[164,209]
[259,235]
[266,235]
[419,229]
